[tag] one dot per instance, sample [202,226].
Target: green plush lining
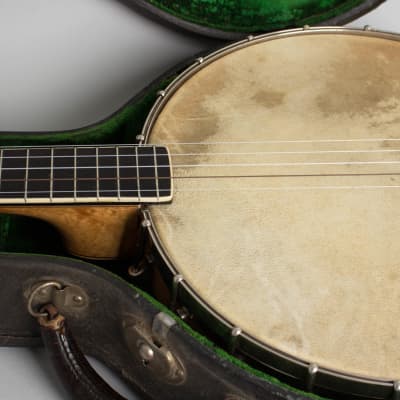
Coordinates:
[255,15]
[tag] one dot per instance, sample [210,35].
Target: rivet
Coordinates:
[77,299]
[250,38]
[139,137]
[146,352]
[367,28]
[200,60]
[161,93]
[306,27]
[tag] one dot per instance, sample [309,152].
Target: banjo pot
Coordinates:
[282,233]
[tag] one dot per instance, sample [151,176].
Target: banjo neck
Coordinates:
[109,174]
[90,194]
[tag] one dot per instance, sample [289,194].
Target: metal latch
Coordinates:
[150,348]
[66,298]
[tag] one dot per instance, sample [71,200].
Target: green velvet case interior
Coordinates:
[255,15]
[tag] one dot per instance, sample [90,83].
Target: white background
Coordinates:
[65,64]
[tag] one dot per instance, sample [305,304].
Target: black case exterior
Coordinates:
[102,330]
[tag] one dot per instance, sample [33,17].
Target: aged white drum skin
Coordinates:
[291,230]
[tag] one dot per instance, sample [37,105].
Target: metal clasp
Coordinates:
[150,348]
[66,298]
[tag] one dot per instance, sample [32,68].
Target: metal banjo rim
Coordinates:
[309,374]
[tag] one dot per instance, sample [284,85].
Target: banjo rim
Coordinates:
[306,374]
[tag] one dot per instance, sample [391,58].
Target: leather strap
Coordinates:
[76,374]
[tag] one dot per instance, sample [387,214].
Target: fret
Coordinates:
[13,174]
[74,173]
[137,172]
[1,165]
[51,172]
[97,173]
[38,173]
[86,175]
[63,173]
[118,177]
[146,172]
[156,172]
[128,172]
[108,172]
[26,174]
[163,173]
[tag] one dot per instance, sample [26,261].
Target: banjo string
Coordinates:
[230,189]
[210,153]
[272,141]
[210,165]
[220,165]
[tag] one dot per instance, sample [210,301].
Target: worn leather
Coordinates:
[102,330]
[78,377]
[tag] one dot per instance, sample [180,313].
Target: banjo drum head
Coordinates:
[285,219]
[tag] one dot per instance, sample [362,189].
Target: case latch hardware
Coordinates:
[65,298]
[149,346]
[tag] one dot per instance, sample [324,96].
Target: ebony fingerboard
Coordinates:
[124,173]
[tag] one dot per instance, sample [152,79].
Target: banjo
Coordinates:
[267,176]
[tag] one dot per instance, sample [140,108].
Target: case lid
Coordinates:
[234,19]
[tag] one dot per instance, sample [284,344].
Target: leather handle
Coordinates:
[76,374]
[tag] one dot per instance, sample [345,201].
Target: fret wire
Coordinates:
[1,166]
[75,174]
[51,172]
[156,172]
[137,171]
[26,175]
[97,172]
[118,182]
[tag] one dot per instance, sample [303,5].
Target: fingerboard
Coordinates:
[85,174]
